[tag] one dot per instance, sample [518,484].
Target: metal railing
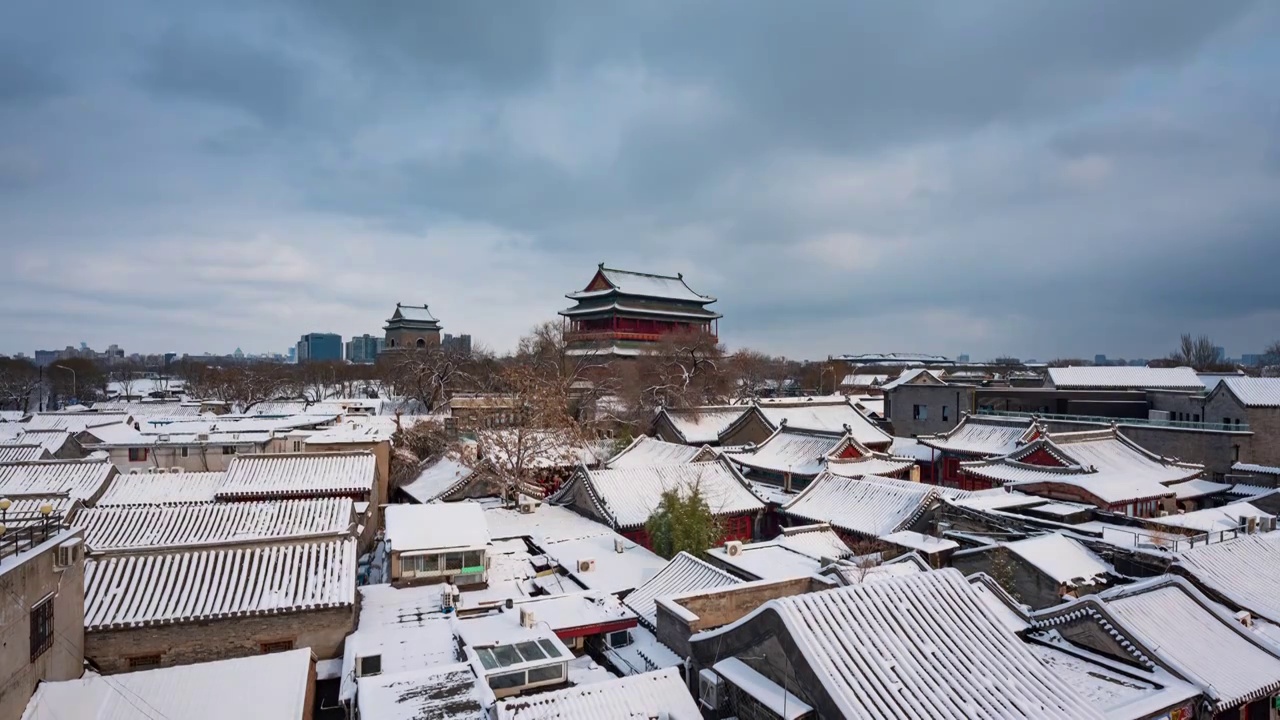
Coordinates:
[1103,420]
[23,532]
[585,336]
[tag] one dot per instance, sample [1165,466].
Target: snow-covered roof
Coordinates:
[51,440]
[1256,469]
[614,572]
[830,416]
[800,453]
[135,589]
[1225,517]
[437,479]
[274,685]
[1255,391]
[1103,463]
[1064,560]
[1117,690]
[436,526]
[912,448]
[702,425]
[626,282]
[919,541]
[356,431]
[1241,570]
[1122,377]
[313,474]
[1197,488]
[1182,629]
[151,410]
[684,573]
[449,691]
[81,479]
[162,488]
[22,453]
[930,377]
[863,380]
[982,436]
[547,525]
[817,541]
[574,611]
[866,461]
[627,497]
[74,422]
[938,621]
[116,529]
[776,698]
[646,450]
[767,561]
[869,505]
[427,645]
[661,693]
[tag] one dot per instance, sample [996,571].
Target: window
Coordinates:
[920,412]
[297,446]
[473,560]
[184,451]
[277,646]
[1226,421]
[1195,417]
[137,454]
[228,449]
[506,681]
[421,343]
[546,674]
[41,627]
[620,638]
[143,662]
[944,413]
[369,665]
[453,562]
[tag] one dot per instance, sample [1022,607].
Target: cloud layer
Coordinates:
[992,178]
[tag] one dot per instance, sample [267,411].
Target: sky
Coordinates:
[993,178]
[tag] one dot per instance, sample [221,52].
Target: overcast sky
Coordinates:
[1040,179]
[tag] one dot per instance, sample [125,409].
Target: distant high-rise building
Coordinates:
[364,348]
[292,354]
[1099,359]
[45,358]
[1219,353]
[1251,359]
[962,358]
[460,344]
[317,347]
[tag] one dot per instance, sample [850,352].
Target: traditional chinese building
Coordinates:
[411,326]
[621,312]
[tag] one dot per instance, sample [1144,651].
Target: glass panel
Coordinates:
[506,655]
[486,658]
[618,639]
[472,559]
[550,647]
[508,680]
[453,562]
[545,674]
[529,651]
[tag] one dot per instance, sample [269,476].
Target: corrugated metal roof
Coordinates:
[1121,377]
[1240,570]
[138,528]
[867,506]
[162,488]
[81,479]
[257,686]
[661,693]
[144,588]
[316,474]
[685,573]
[1255,392]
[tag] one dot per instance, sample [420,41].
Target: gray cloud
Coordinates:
[993,178]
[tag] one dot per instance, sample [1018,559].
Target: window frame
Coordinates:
[275,646]
[42,626]
[144,662]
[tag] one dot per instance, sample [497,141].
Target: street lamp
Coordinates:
[73,378]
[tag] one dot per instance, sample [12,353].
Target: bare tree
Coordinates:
[19,380]
[427,375]
[684,370]
[1198,353]
[750,372]
[125,375]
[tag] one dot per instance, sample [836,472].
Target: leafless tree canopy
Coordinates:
[1198,353]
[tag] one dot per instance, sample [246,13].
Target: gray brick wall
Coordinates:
[182,644]
[944,405]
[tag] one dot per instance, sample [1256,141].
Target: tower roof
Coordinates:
[627,282]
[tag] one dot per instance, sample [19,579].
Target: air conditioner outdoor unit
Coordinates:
[175,469]
[135,471]
[711,690]
[586,565]
[1251,524]
[733,548]
[369,665]
[527,618]
[68,553]
[528,506]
